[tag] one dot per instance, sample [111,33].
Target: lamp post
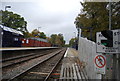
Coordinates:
[77,41]
[39,32]
[2,28]
[7,7]
[75,34]
[6,10]
[39,28]
[78,29]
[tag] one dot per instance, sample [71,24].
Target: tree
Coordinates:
[96,16]
[37,33]
[14,21]
[57,40]
[116,15]
[53,39]
[42,35]
[72,42]
[66,45]
[60,40]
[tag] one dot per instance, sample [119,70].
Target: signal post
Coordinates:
[108,43]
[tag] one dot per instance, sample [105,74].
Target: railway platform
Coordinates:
[70,69]
[24,48]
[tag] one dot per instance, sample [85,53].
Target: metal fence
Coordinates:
[87,53]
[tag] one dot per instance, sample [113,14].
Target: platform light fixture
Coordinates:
[7,7]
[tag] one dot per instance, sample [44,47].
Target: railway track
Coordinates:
[48,77]
[23,58]
[24,68]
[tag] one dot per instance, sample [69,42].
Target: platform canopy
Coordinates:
[10,30]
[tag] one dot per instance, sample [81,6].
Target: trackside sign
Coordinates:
[102,48]
[100,63]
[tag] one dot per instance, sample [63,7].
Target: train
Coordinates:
[13,38]
[35,42]
[10,37]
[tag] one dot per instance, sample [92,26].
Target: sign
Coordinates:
[100,48]
[100,63]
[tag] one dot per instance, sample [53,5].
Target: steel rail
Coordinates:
[3,66]
[33,66]
[20,57]
[16,57]
[48,76]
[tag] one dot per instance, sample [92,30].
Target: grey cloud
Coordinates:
[51,22]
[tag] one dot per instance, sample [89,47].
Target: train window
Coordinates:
[23,42]
[15,39]
[27,41]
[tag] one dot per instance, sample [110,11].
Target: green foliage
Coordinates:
[37,33]
[26,34]
[42,35]
[57,40]
[72,41]
[53,39]
[96,15]
[13,20]
[66,45]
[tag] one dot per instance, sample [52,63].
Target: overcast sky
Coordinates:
[53,16]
